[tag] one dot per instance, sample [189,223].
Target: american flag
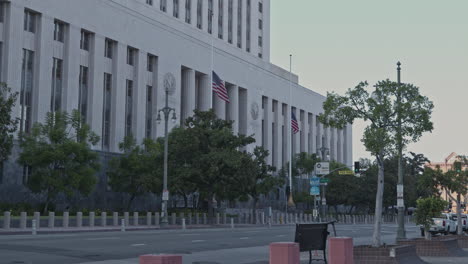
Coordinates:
[294,124]
[219,88]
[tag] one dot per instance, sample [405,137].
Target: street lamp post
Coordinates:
[166,110]
[324,152]
[401,233]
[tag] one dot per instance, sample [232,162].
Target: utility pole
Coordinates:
[401,233]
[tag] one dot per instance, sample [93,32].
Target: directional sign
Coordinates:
[346,172]
[324,180]
[315,186]
[322,168]
[314,181]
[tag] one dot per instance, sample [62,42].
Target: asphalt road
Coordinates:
[241,245]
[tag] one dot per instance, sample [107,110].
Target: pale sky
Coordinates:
[338,43]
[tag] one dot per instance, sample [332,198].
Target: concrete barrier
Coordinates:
[217,219]
[135,218]
[51,222]
[37,217]
[156,218]
[23,220]
[340,250]
[127,218]
[92,216]
[79,219]
[65,219]
[6,220]
[115,219]
[160,259]
[103,219]
[148,218]
[284,253]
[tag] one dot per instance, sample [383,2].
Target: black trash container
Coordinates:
[313,237]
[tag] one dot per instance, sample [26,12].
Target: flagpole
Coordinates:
[212,62]
[290,200]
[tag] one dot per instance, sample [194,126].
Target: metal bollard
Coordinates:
[232,223]
[183,224]
[24,219]
[6,220]
[122,225]
[66,218]
[34,229]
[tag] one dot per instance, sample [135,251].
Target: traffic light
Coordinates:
[457,166]
[357,167]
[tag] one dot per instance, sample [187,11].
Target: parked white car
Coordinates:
[443,224]
[453,216]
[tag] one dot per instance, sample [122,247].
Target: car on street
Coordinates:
[443,224]
[453,216]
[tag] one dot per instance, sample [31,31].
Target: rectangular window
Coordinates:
[260,55]
[83,92]
[128,108]
[56,96]
[199,14]
[85,40]
[260,41]
[260,24]
[220,18]
[260,7]
[230,11]
[210,16]
[188,11]
[30,21]
[27,74]
[59,31]
[239,24]
[162,5]
[150,63]
[2,12]
[131,55]
[149,2]
[149,111]
[109,48]
[248,26]
[106,115]
[175,8]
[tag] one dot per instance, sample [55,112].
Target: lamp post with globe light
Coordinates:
[169,84]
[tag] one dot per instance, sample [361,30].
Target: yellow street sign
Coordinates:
[346,172]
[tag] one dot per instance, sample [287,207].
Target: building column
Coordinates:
[205,16]
[306,132]
[313,134]
[119,88]
[71,69]
[269,130]
[276,143]
[204,93]
[96,86]
[219,106]
[188,92]
[43,61]
[339,145]
[233,92]
[140,100]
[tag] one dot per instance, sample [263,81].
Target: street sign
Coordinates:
[322,168]
[165,195]
[314,213]
[346,172]
[315,190]
[324,180]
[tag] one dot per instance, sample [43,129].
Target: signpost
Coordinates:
[322,168]
[315,186]
[346,172]
[324,180]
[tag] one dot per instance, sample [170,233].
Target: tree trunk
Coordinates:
[427,234]
[459,219]
[185,201]
[210,206]
[254,210]
[376,242]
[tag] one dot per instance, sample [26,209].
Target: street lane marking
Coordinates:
[244,238]
[198,241]
[138,245]
[189,234]
[102,238]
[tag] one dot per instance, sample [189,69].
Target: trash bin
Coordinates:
[313,237]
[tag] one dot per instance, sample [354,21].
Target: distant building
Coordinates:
[445,166]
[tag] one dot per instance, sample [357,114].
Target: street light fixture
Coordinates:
[169,84]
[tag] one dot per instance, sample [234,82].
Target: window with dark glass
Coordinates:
[2,11]
[149,2]
[260,41]
[109,48]
[175,8]
[199,13]
[30,21]
[27,75]
[131,56]
[260,7]
[150,63]
[248,26]
[56,95]
[85,40]
[210,16]
[188,11]
[239,24]
[59,31]
[162,5]
[230,11]
[129,108]
[260,24]
[83,92]
[149,111]
[220,18]
[107,107]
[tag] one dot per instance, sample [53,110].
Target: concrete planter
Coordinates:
[462,240]
[437,247]
[404,254]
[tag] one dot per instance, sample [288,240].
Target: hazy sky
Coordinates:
[338,43]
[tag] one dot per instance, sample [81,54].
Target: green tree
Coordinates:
[134,172]
[8,124]
[343,189]
[256,176]
[60,156]
[212,157]
[428,208]
[380,110]
[428,182]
